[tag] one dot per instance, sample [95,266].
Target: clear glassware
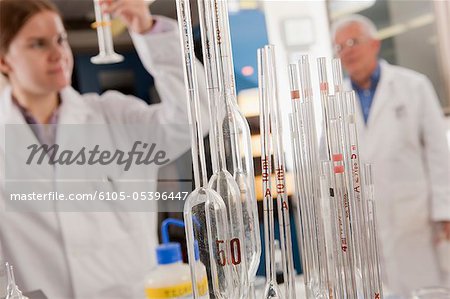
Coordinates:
[233,125]
[271,289]
[106,55]
[373,251]
[205,212]
[280,173]
[12,290]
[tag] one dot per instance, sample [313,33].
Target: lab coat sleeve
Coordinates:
[161,55]
[437,154]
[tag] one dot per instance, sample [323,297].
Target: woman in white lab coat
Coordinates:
[83,255]
[405,139]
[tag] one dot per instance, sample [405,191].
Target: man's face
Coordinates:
[358,52]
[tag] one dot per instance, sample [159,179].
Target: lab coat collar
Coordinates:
[9,113]
[380,98]
[73,109]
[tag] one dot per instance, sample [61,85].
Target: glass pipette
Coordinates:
[239,141]
[222,181]
[205,213]
[221,8]
[356,205]
[319,285]
[12,290]
[343,209]
[271,289]
[328,234]
[104,35]
[350,152]
[242,166]
[333,233]
[324,93]
[338,78]
[241,144]
[303,180]
[280,174]
[347,250]
[373,249]
[298,193]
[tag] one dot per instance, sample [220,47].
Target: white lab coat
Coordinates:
[98,255]
[405,139]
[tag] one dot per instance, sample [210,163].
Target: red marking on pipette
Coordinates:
[285,206]
[295,95]
[280,178]
[280,172]
[323,86]
[338,157]
[265,169]
[280,188]
[339,169]
[344,247]
[377,296]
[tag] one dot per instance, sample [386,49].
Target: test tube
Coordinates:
[102,23]
[280,175]
[205,213]
[271,289]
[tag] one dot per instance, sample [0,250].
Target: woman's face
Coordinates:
[39,59]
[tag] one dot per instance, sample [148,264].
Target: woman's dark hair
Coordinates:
[14,14]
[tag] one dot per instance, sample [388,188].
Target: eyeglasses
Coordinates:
[350,43]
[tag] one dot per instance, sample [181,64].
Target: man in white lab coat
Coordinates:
[402,131]
[92,254]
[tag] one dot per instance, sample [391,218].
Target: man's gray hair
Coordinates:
[366,24]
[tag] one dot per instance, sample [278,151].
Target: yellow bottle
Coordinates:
[171,278]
